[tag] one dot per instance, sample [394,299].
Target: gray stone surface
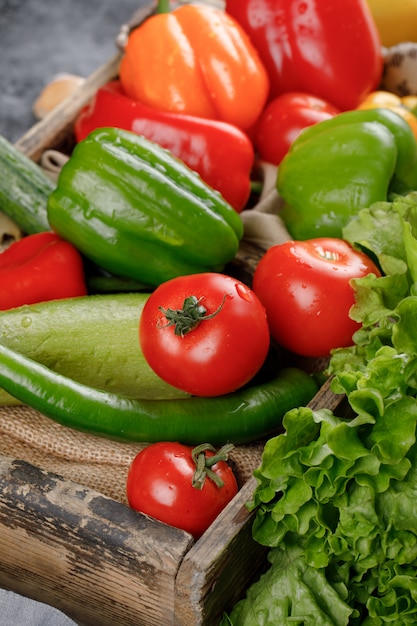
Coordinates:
[42,38]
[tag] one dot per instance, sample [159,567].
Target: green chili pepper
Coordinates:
[135,210]
[341,165]
[241,417]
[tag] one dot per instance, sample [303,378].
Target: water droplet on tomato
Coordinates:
[243,292]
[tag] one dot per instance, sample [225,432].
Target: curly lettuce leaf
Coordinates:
[339,496]
[290,592]
[406,207]
[345,501]
[378,231]
[404,336]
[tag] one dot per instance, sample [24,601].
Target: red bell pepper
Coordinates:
[327,48]
[40,267]
[219,152]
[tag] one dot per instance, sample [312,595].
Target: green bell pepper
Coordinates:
[137,211]
[341,165]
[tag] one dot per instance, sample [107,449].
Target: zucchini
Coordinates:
[24,189]
[91,339]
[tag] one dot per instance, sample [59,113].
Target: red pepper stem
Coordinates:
[204,463]
[163,6]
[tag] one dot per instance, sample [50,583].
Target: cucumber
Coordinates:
[91,339]
[24,189]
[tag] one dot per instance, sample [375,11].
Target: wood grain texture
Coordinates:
[215,573]
[90,556]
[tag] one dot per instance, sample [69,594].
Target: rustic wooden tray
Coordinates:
[93,557]
[103,564]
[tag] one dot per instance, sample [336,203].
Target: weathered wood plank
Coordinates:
[88,555]
[95,558]
[219,567]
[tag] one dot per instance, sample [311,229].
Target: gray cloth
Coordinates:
[16,610]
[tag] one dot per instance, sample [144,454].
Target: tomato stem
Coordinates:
[204,463]
[192,313]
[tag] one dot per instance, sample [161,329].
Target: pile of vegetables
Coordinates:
[125,205]
[152,202]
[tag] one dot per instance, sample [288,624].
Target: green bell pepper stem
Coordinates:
[163,6]
[241,417]
[327,177]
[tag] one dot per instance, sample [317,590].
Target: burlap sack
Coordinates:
[91,461]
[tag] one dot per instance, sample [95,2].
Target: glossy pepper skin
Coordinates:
[341,165]
[247,415]
[138,212]
[328,48]
[38,268]
[195,60]
[328,178]
[221,153]
[282,121]
[405,171]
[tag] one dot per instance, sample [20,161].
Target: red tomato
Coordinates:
[284,118]
[160,484]
[305,288]
[227,341]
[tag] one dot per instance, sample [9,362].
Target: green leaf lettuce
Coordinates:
[336,497]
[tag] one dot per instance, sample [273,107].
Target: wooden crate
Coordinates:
[94,558]
[104,564]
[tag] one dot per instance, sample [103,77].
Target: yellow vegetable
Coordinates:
[396,20]
[388,100]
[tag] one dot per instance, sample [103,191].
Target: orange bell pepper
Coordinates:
[387,99]
[196,60]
